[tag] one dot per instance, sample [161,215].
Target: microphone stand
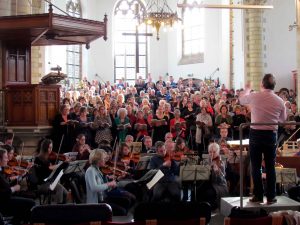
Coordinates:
[212,74]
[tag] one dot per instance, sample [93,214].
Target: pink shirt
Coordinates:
[266,107]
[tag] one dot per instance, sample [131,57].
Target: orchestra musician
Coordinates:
[81,148]
[100,189]
[44,169]
[147,145]
[8,139]
[10,205]
[168,185]
[216,188]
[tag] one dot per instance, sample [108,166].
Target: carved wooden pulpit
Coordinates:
[28,104]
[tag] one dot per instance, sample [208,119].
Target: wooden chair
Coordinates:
[172,213]
[71,214]
[267,220]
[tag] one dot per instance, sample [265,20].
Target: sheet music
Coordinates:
[71,155]
[55,182]
[155,179]
[237,142]
[53,172]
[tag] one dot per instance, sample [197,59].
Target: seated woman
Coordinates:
[44,169]
[10,205]
[99,189]
[81,148]
[216,188]
[180,149]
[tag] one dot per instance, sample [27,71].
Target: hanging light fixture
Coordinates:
[159,14]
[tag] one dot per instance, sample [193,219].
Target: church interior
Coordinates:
[149,112]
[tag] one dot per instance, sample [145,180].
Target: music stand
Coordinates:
[75,166]
[195,173]
[71,155]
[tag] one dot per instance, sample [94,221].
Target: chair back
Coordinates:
[266,220]
[70,214]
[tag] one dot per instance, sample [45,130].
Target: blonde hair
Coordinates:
[97,155]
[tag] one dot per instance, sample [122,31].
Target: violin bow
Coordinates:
[61,141]
[115,159]
[21,156]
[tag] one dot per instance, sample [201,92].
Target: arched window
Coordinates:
[74,52]
[193,34]
[130,41]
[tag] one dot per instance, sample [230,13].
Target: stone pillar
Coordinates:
[5,8]
[254,45]
[231,46]
[20,7]
[37,58]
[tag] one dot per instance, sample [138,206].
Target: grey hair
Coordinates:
[215,146]
[122,110]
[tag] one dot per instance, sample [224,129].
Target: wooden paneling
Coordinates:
[31,105]
[16,65]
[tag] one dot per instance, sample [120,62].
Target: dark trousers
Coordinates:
[19,208]
[263,142]
[169,189]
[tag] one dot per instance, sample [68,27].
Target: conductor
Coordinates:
[266,107]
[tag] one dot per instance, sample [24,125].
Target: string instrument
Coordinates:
[110,170]
[53,156]
[14,173]
[20,163]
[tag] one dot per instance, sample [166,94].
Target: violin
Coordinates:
[11,172]
[14,162]
[53,156]
[134,157]
[108,170]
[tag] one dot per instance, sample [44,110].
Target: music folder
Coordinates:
[53,172]
[155,179]
[55,182]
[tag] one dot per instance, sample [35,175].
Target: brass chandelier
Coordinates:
[158,14]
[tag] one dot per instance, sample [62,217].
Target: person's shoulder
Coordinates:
[90,170]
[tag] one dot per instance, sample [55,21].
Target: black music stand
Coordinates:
[194,173]
[76,166]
